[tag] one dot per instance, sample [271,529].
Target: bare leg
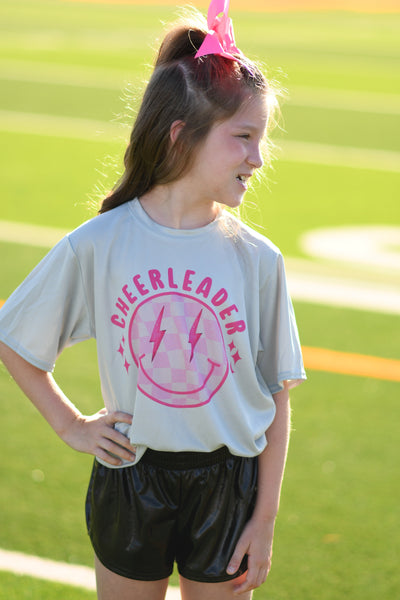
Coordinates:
[194,590]
[111,586]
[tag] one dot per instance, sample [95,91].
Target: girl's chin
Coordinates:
[235,202]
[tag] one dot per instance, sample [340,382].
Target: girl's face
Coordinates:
[229,155]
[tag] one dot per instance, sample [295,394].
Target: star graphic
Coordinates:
[232,346]
[121,350]
[236,357]
[127,365]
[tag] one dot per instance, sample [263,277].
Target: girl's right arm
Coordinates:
[91,434]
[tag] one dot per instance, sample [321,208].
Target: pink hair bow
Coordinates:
[220,38]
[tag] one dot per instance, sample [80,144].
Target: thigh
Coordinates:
[111,586]
[195,590]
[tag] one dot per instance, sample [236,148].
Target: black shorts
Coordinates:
[185,507]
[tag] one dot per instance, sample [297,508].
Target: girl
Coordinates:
[197,340]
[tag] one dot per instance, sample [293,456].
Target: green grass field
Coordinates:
[337,534]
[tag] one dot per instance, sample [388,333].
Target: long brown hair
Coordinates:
[196,91]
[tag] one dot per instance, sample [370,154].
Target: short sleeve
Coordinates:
[279,358]
[48,311]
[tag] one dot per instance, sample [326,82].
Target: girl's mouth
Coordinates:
[243,179]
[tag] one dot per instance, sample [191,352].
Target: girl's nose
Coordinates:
[255,158]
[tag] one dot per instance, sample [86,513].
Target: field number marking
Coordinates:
[368,245]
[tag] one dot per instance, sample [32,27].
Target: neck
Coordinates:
[174,207]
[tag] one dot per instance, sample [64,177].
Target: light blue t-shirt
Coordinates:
[195,329]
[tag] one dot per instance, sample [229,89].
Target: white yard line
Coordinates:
[61,127]
[31,235]
[117,79]
[50,570]
[55,74]
[41,568]
[340,156]
[349,100]
[103,131]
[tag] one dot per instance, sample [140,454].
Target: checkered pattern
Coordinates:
[170,377]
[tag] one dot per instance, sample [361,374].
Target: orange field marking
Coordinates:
[347,363]
[371,6]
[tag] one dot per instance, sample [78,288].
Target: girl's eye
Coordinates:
[245,136]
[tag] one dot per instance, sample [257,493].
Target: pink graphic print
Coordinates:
[177,344]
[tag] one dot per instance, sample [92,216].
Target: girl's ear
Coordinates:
[175,130]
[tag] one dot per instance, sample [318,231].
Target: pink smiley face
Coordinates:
[177,344]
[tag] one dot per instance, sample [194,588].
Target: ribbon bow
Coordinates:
[220,38]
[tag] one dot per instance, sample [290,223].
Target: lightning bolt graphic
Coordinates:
[193,335]
[157,333]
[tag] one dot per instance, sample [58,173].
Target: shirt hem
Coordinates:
[25,354]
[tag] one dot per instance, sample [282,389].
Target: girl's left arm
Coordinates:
[256,539]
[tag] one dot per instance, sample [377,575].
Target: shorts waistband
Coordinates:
[185,460]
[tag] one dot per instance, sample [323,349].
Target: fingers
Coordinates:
[108,458]
[118,445]
[113,446]
[251,582]
[113,453]
[237,557]
[258,546]
[255,576]
[117,416]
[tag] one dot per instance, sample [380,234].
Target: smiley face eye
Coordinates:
[194,336]
[157,334]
